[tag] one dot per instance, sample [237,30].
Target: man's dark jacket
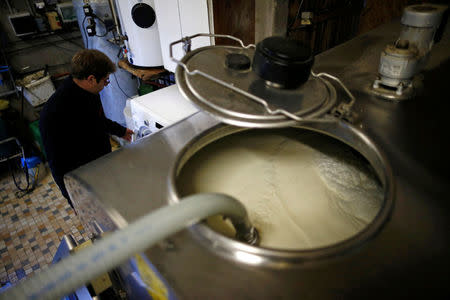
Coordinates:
[74,130]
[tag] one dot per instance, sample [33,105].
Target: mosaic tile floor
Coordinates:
[32,226]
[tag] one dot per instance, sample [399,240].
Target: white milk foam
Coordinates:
[302,190]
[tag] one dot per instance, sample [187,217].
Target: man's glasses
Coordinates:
[105,80]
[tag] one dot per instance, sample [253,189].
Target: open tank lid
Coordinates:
[266,86]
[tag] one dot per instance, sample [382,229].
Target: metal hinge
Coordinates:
[344,112]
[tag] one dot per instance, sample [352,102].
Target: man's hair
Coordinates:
[91,62]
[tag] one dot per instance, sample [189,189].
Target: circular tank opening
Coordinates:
[143,15]
[305,192]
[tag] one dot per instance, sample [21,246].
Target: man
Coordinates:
[73,127]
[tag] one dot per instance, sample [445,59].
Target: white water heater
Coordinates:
[180,18]
[139,24]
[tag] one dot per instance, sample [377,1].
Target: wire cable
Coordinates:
[106,29]
[97,17]
[84,33]
[104,24]
[103,35]
[296,16]
[119,85]
[17,184]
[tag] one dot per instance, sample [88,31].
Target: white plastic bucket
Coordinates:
[39,91]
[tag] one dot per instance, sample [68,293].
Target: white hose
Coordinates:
[114,249]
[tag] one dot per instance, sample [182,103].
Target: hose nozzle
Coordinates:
[245,232]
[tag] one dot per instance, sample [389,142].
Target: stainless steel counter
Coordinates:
[411,251]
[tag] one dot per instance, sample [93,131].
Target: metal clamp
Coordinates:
[343,110]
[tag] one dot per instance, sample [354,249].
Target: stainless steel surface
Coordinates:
[409,252]
[70,242]
[255,103]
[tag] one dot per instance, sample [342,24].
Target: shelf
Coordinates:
[7,93]
[143,73]
[6,69]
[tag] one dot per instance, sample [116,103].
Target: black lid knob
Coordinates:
[237,61]
[283,62]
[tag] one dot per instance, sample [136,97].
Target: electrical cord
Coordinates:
[31,181]
[106,29]
[103,35]
[296,16]
[25,169]
[97,17]
[104,24]
[119,86]
[84,33]
[87,46]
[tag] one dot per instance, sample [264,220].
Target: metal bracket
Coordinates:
[187,45]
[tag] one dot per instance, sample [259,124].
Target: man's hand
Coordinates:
[128,134]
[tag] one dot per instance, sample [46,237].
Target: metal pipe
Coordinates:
[115,248]
[30,7]
[9,6]
[113,11]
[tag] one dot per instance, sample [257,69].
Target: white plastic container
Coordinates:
[39,91]
[128,116]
